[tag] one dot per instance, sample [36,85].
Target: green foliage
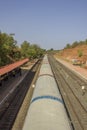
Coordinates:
[86,41]
[51,49]
[31,51]
[74,44]
[80,53]
[25,49]
[10,52]
[7,48]
[68,46]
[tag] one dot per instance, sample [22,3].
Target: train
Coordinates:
[46,110]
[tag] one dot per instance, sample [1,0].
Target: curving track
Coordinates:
[70,87]
[7,118]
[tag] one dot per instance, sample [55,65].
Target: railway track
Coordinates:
[8,116]
[71,93]
[78,79]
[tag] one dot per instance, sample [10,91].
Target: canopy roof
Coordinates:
[12,66]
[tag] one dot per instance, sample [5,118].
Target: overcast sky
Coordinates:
[49,23]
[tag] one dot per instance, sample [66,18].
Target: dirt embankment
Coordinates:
[77,54]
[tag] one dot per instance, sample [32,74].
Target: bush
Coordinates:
[80,53]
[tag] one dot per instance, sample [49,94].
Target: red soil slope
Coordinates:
[74,53]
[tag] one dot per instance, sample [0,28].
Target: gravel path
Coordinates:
[77,69]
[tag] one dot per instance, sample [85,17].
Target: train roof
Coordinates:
[10,67]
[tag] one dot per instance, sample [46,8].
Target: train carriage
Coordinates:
[46,111]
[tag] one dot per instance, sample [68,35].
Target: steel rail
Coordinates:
[60,77]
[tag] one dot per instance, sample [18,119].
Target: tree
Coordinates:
[86,41]
[68,46]
[25,49]
[7,48]
[74,44]
[35,51]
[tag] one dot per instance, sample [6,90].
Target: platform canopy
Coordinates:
[10,67]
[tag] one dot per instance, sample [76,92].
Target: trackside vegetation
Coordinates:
[11,52]
[76,43]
